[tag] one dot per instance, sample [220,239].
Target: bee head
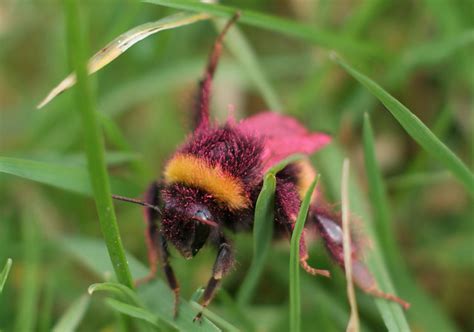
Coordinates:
[187,220]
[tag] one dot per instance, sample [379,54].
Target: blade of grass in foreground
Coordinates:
[295,304]
[262,230]
[4,274]
[415,128]
[297,30]
[73,316]
[95,147]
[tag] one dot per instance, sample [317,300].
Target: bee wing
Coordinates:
[283,136]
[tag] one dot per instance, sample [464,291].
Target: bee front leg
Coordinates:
[222,265]
[157,245]
[169,273]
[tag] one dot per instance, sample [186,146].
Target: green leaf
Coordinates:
[295,305]
[73,316]
[4,273]
[94,145]
[262,230]
[306,33]
[416,129]
[67,177]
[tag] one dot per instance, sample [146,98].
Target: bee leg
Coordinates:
[331,233]
[157,245]
[152,196]
[201,107]
[222,265]
[304,256]
[169,273]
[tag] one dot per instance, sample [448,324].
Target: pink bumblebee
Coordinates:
[212,182]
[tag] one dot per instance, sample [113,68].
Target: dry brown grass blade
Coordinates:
[122,43]
[353,325]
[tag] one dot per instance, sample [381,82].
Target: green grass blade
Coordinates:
[129,295]
[295,305]
[378,199]
[4,273]
[73,316]
[67,177]
[95,147]
[262,236]
[416,129]
[292,29]
[27,302]
[240,47]
[262,230]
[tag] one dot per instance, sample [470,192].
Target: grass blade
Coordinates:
[292,29]
[416,129]
[95,147]
[262,230]
[67,177]
[295,305]
[117,289]
[4,274]
[73,316]
[122,43]
[353,325]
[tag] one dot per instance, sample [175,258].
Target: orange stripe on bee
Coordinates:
[196,172]
[305,177]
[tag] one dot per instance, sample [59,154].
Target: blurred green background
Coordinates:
[419,51]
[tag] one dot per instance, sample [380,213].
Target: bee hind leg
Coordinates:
[330,230]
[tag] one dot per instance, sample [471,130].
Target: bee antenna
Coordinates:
[137,201]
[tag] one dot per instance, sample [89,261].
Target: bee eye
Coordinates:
[203,214]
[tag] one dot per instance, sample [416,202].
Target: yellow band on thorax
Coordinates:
[196,172]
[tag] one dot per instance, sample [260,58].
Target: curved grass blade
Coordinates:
[115,288]
[94,145]
[121,44]
[73,316]
[133,311]
[415,128]
[295,305]
[353,325]
[4,273]
[292,29]
[262,230]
